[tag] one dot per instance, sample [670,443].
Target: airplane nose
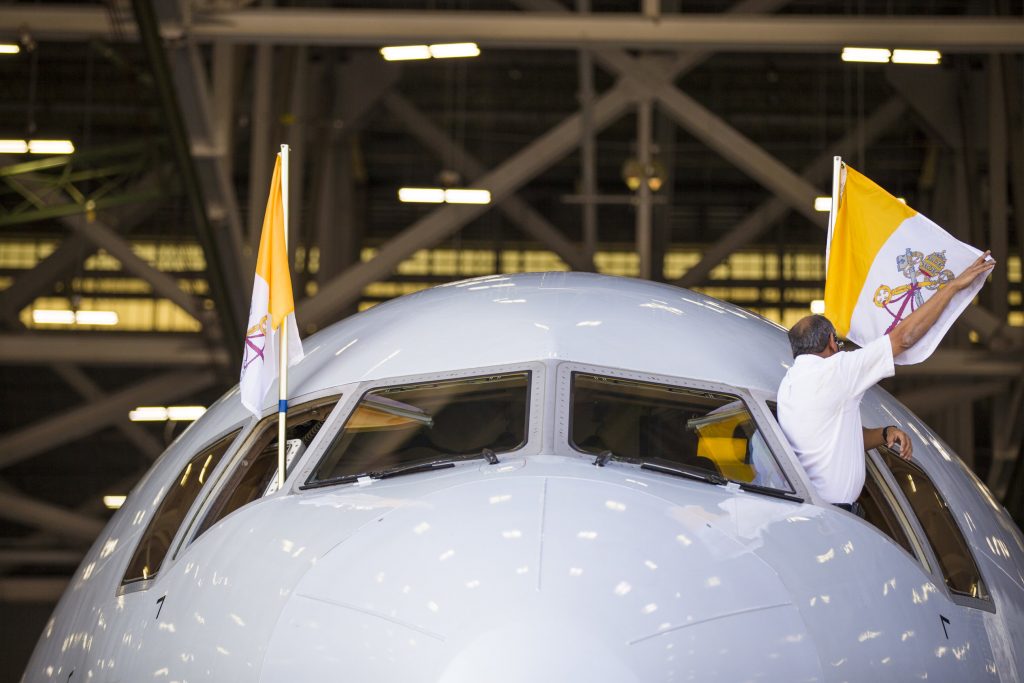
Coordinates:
[544,578]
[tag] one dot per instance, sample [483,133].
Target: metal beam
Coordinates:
[967,363]
[61,262]
[931,398]
[517,210]
[346,289]
[24,510]
[39,556]
[772,210]
[100,348]
[42,436]
[315,26]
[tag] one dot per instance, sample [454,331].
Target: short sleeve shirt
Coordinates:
[819,412]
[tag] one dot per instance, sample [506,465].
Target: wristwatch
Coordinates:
[885,434]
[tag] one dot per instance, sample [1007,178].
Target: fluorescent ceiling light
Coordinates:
[878,55]
[148,414]
[916,56]
[50,147]
[42,316]
[185,413]
[448,50]
[9,49]
[114,502]
[13,147]
[399,53]
[421,195]
[467,196]
[818,307]
[96,317]
[823,204]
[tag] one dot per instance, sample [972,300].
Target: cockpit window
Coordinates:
[393,428]
[955,559]
[639,421]
[255,473]
[160,531]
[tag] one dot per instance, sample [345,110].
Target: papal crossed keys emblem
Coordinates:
[255,343]
[923,272]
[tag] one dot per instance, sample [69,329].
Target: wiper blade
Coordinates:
[381,474]
[757,488]
[411,469]
[681,470]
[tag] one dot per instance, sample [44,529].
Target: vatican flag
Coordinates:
[883,260]
[272,308]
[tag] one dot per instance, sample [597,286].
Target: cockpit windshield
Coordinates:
[392,428]
[643,422]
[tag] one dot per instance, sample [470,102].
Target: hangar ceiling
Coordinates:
[175,110]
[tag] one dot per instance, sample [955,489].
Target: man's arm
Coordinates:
[915,325]
[873,438]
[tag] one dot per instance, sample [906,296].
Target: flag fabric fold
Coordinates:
[884,261]
[272,308]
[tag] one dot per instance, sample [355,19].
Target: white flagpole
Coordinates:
[833,211]
[282,384]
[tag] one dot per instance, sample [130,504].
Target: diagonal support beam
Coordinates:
[25,510]
[61,262]
[772,210]
[521,213]
[29,441]
[346,289]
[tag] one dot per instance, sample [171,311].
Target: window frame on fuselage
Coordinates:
[756,409]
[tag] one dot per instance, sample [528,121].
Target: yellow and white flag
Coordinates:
[272,308]
[884,260]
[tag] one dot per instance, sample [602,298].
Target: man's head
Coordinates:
[814,335]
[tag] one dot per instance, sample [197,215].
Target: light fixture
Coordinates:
[929,57]
[36,147]
[43,316]
[185,413]
[818,307]
[449,50]
[439,195]
[401,53]
[634,173]
[9,49]
[467,196]
[165,414]
[148,414]
[877,55]
[421,195]
[114,502]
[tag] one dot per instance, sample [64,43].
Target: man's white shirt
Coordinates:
[819,412]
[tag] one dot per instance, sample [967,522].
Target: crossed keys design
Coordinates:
[913,265]
[255,343]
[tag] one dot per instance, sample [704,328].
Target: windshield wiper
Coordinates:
[681,470]
[757,488]
[380,474]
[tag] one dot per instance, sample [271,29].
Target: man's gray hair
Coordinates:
[810,335]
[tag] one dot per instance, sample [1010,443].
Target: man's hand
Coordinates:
[971,272]
[898,436]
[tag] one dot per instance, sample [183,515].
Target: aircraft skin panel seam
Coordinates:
[724,615]
[373,613]
[540,535]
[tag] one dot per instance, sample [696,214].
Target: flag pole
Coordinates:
[833,210]
[282,395]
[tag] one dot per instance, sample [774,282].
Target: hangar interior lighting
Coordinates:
[36,147]
[818,307]
[930,57]
[401,53]
[44,316]
[165,414]
[438,195]
[9,49]
[881,55]
[114,502]
[876,55]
